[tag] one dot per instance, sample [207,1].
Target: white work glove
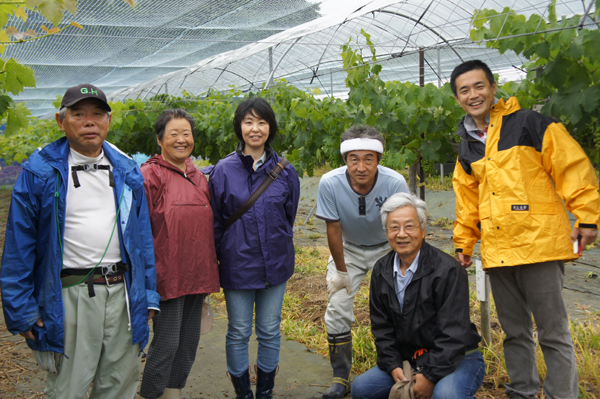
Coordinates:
[336,281]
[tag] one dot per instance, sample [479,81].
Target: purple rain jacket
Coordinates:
[257,251]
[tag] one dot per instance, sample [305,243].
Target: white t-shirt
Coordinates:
[338,201]
[90,216]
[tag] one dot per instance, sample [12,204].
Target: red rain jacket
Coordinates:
[182,228]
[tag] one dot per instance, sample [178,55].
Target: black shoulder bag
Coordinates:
[273,174]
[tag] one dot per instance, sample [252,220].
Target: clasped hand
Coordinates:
[423,388]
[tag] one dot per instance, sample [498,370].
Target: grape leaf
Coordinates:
[5,102]
[52,10]
[18,76]
[16,118]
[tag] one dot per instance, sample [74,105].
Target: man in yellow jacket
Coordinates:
[517,174]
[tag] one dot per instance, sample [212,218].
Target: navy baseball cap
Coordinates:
[81,92]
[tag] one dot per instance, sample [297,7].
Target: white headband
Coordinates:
[363,144]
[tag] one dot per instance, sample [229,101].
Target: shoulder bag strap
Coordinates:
[273,174]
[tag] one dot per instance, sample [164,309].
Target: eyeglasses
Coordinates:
[409,228]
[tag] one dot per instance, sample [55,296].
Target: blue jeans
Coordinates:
[267,304]
[462,383]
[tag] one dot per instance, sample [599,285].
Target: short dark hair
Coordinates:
[468,66]
[260,108]
[363,132]
[170,114]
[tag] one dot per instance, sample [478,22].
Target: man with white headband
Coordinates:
[350,198]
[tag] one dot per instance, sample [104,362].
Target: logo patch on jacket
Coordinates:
[379,202]
[519,207]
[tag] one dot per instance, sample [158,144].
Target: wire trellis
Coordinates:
[176,46]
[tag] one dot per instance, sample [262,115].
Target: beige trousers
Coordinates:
[98,347]
[359,260]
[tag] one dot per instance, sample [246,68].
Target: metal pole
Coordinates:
[483,296]
[270,80]
[331,83]
[310,214]
[484,309]
[422,84]
[439,68]
[439,73]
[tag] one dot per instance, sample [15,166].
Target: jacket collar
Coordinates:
[505,107]
[247,160]
[462,131]
[501,107]
[56,154]
[189,165]
[425,266]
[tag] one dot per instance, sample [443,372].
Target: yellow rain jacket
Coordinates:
[511,192]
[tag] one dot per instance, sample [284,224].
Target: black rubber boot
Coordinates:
[265,383]
[340,355]
[241,385]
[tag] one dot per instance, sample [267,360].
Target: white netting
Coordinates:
[169,47]
[121,46]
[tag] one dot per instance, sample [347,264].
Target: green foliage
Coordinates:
[563,66]
[416,121]
[24,141]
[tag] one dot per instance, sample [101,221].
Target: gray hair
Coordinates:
[62,113]
[363,132]
[400,200]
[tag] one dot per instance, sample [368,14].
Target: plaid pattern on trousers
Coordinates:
[173,348]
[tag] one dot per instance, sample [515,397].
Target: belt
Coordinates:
[67,279]
[381,244]
[467,353]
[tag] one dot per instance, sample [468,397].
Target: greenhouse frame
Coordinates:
[183,47]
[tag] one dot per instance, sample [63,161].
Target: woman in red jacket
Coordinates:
[186,262]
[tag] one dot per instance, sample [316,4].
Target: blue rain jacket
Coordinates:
[31,262]
[257,251]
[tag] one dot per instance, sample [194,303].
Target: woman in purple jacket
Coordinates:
[256,253]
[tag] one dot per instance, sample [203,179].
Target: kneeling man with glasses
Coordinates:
[420,313]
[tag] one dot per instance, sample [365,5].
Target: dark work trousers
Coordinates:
[520,292]
[173,348]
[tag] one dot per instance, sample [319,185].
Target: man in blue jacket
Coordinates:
[78,276]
